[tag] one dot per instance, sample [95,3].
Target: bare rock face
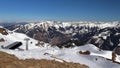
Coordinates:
[117,50]
[59,40]
[3,31]
[41,36]
[85,52]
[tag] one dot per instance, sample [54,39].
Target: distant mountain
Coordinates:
[8,24]
[106,36]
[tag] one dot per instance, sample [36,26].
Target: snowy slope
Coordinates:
[13,37]
[69,55]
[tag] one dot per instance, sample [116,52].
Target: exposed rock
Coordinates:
[42,36]
[113,56]
[3,31]
[117,50]
[85,52]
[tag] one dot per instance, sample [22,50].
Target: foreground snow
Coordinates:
[67,54]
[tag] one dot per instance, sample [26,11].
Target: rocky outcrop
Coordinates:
[41,36]
[106,39]
[117,50]
[3,31]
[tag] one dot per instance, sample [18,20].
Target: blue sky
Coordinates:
[61,10]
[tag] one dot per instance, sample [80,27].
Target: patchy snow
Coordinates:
[94,60]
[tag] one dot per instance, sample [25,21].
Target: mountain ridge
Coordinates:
[64,32]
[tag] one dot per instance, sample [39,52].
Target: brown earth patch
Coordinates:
[85,52]
[3,31]
[10,61]
[2,40]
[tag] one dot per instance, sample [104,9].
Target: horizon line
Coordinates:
[18,21]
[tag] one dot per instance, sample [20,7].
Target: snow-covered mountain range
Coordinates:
[104,35]
[93,44]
